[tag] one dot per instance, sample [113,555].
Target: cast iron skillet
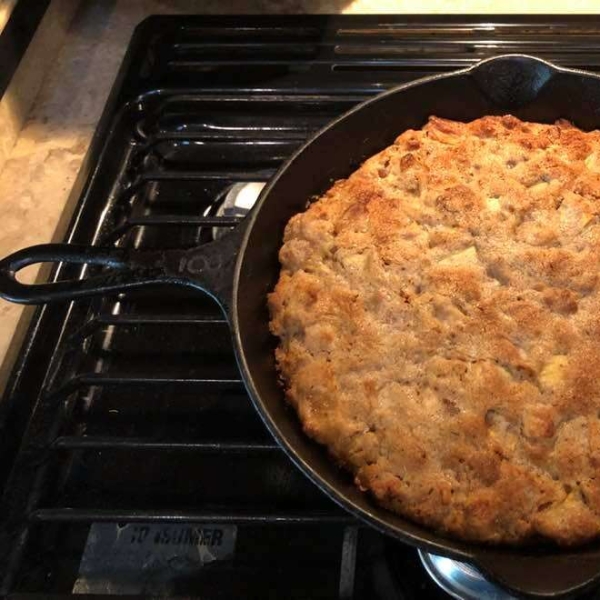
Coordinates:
[239,271]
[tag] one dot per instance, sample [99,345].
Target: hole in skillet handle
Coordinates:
[543,576]
[513,80]
[208,268]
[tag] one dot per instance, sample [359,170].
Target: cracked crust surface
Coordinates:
[439,324]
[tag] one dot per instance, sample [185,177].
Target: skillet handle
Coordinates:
[208,268]
[550,576]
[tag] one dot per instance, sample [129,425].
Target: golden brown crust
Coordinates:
[439,323]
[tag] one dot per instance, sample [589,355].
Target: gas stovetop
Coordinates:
[132,460]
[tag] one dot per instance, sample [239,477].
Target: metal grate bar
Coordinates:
[116,443]
[283,138]
[275,47]
[98,379]
[234,516]
[126,319]
[348,562]
[155,220]
[447,64]
[49,596]
[457,45]
[104,320]
[170,220]
[304,96]
[233,176]
[244,31]
[386,30]
[433,62]
[332,99]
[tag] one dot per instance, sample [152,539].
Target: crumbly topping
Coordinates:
[439,324]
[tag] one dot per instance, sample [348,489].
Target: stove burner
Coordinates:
[461,580]
[238,201]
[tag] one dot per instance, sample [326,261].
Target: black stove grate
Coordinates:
[130,409]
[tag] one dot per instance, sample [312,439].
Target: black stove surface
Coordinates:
[125,427]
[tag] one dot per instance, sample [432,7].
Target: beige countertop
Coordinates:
[42,143]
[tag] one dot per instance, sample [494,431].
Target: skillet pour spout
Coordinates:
[242,268]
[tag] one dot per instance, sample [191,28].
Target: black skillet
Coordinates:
[239,271]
